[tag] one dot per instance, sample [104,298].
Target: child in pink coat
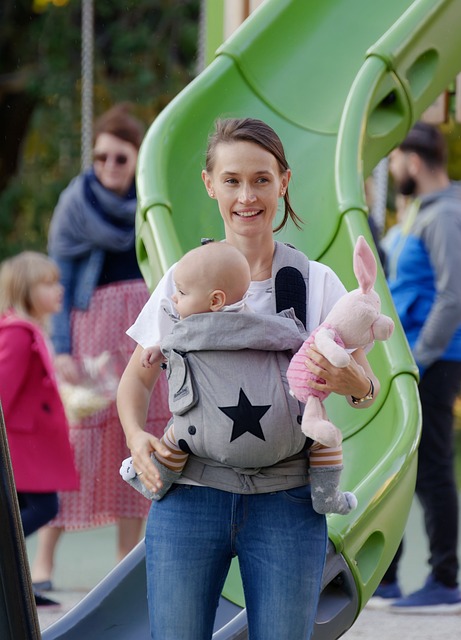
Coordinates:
[36,424]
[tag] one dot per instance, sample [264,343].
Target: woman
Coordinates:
[278,537]
[92,239]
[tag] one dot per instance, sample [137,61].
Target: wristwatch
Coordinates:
[370,395]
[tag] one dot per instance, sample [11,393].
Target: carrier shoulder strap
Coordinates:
[290,280]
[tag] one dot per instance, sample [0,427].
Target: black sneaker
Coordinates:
[42,601]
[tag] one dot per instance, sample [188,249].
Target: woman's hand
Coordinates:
[352,380]
[133,397]
[66,368]
[142,445]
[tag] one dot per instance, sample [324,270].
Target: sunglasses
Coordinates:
[119,158]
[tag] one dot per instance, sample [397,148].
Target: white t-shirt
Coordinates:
[325,288]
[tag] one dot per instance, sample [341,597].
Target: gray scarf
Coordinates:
[88,216]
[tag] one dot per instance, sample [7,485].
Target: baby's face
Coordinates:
[192,294]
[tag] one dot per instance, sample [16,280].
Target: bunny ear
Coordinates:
[364,265]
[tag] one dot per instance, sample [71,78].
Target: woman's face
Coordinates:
[114,163]
[247,183]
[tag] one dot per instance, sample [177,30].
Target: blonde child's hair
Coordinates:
[18,276]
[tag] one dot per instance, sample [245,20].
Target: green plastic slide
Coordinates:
[341,81]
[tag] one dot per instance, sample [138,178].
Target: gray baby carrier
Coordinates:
[228,390]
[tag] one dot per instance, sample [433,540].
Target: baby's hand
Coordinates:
[146,358]
[151,356]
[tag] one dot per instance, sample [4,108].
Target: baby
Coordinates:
[209,278]
[213,277]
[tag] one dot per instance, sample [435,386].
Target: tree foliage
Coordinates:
[144,52]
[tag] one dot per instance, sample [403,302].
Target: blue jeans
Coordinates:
[191,537]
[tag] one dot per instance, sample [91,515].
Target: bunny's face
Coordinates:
[357,315]
[353,317]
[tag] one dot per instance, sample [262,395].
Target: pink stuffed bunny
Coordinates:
[354,321]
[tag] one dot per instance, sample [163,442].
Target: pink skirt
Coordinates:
[99,441]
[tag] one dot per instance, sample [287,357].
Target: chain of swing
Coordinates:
[87,82]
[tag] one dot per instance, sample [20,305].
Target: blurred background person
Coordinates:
[92,239]
[424,272]
[35,420]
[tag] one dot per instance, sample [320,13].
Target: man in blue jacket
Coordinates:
[424,276]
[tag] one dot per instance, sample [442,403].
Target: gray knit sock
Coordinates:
[326,496]
[167,476]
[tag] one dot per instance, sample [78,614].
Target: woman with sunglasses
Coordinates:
[92,239]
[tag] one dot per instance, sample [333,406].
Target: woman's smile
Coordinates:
[248,213]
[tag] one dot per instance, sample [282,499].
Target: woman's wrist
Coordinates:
[369,395]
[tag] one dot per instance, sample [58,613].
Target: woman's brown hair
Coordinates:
[119,122]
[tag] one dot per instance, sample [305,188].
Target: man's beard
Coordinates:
[407,186]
